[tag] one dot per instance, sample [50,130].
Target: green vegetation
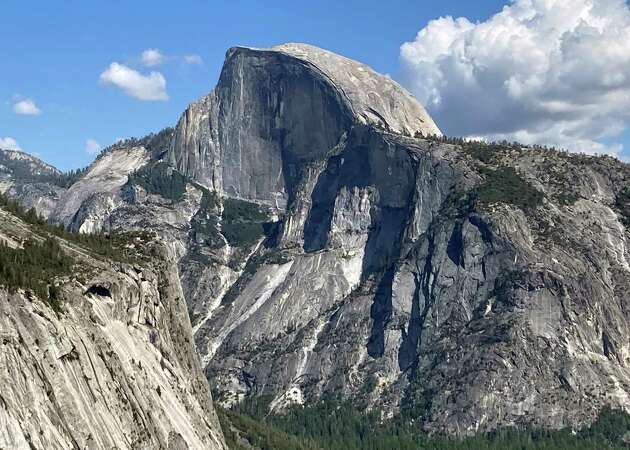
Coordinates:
[331,426]
[23,170]
[35,265]
[159,143]
[34,268]
[243,222]
[17,210]
[505,185]
[567,198]
[67,179]
[507,282]
[253,264]
[610,429]
[205,223]
[242,432]
[484,150]
[107,245]
[161,179]
[156,143]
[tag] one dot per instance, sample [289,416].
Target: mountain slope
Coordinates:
[329,246]
[105,359]
[467,311]
[30,180]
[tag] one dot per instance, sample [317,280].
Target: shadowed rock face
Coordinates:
[471,287]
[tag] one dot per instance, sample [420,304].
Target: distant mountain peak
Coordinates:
[12,160]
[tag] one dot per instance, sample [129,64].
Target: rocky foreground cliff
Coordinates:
[331,243]
[96,351]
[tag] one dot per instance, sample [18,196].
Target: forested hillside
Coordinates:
[341,426]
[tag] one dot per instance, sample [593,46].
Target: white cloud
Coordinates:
[152,57]
[193,59]
[540,71]
[135,84]
[92,147]
[8,143]
[26,106]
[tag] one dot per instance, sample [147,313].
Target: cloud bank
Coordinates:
[150,87]
[553,72]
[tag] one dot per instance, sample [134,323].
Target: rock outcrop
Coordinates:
[331,243]
[113,366]
[100,185]
[274,111]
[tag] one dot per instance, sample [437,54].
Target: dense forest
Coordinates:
[342,426]
[161,179]
[34,268]
[243,222]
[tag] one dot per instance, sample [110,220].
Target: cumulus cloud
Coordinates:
[193,59]
[26,106]
[152,57]
[135,84]
[553,72]
[92,146]
[8,143]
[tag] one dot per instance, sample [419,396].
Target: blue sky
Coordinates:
[54,55]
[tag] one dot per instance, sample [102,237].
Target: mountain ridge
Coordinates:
[471,285]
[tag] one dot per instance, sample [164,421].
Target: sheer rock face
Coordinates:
[116,369]
[385,277]
[273,111]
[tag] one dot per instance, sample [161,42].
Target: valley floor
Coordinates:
[333,426]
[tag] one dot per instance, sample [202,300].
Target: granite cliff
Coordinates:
[331,243]
[102,356]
